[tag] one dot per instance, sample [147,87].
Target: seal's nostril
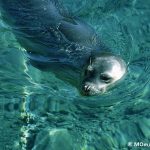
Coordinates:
[86,88]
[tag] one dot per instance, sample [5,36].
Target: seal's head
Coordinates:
[102,71]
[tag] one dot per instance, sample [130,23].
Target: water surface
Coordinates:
[40,112]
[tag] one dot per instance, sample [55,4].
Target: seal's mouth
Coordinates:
[89,90]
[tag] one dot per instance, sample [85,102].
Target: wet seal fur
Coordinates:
[65,45]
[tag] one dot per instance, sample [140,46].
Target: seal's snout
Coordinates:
[86,89]
[90,89]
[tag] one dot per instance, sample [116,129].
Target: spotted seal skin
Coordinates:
[57,42]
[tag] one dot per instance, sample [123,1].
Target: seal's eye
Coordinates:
[105,78]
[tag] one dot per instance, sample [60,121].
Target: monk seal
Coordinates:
[67,46]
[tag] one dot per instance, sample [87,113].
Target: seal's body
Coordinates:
[52,38]
[42,27]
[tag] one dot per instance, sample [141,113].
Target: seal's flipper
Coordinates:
[77,31]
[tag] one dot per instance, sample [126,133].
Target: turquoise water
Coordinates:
[40,112]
